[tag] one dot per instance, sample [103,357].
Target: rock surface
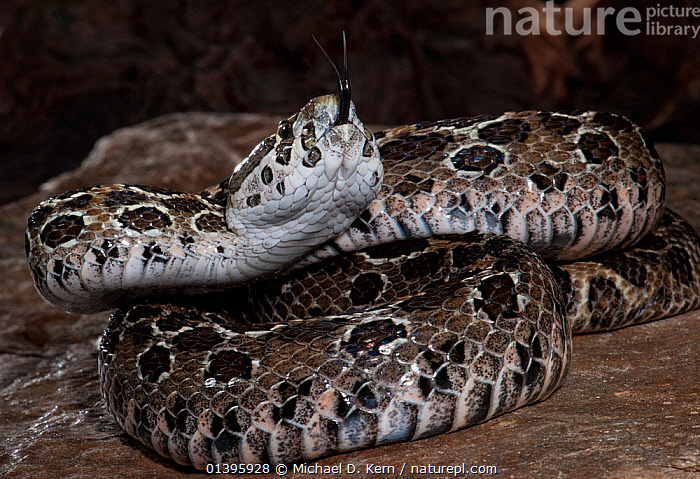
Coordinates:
[630,406]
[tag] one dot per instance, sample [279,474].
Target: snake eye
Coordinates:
[307,136]
[369,135]
[312,157]
[307,142]
[266,175]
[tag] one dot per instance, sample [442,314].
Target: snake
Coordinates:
[345,289]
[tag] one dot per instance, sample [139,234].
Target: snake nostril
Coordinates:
[308,129]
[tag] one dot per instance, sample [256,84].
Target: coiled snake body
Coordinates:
[407,311]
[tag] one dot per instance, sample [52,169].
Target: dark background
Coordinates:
[72,71]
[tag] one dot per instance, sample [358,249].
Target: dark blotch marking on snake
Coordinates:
[616,123]
[678,261]
[78,202]
[563,279]
[361,225]
[639,176]
[597,147]
[419,146]
[154,362]
[228,364]
[609,197]
[405,188]
[231,419]
[549,169]
[209,222]
[67,194]
[560,181]
[368,337]
[631,269]
[426,185]
[542,182]
[154,251]
[186,204]
[144,218]
[62,229]
[478,159]
[498,296]
[100,257]
[201,338]
[505,131]
[39,215]
[534,373]
[125,197]
[522,355]
[605,299]
[420,266]
[58,270]
[652,242]
[560,125]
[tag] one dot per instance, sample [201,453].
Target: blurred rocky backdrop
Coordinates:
[72,71]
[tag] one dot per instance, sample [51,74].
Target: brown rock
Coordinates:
[630,406]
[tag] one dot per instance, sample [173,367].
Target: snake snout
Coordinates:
[343,155]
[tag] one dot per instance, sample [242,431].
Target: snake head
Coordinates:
[309,181]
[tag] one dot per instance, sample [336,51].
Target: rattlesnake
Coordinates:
[368,320]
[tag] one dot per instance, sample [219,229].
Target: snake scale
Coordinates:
[322,300]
